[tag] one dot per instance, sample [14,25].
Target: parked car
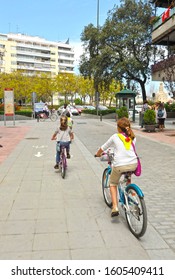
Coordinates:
[102,107]
[73,110]
[38,108]
[138,108]
[89,107]
[80,108]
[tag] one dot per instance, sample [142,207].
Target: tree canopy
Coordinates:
[121,49]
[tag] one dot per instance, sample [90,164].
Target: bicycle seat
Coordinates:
[127,173]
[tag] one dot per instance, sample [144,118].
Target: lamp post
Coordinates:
[97,93]
[98,5]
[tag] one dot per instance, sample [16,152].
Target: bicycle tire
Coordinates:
[63,166]
[53,117]
[106,188]
[136,217]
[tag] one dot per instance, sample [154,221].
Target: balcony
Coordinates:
[164,31]
[161,3]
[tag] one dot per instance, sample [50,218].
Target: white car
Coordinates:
[73,110]
[138,108]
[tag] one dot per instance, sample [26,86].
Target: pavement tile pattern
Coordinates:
[43,216]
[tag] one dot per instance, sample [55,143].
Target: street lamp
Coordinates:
[97,93]
[98,5]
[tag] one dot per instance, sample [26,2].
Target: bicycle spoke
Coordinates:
[136,213]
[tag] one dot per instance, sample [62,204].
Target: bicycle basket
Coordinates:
[107,156]
[104,157]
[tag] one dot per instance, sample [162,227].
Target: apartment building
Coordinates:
[34,55]
[163,34]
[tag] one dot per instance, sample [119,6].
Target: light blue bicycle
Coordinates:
[130,197]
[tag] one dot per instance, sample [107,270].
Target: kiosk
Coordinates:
[126,97]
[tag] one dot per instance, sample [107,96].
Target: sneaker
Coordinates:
[68,155]
[56,166]
[114,212]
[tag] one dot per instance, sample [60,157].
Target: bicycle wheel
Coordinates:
[53,117]
[136,215]
[106,188]
[63,166]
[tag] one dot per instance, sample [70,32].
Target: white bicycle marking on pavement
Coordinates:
[39,154]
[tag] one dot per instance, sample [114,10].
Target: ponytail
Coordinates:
[125,126]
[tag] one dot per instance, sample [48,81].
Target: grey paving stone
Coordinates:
[87,239]
[68,219]
[50,241]
[16,243]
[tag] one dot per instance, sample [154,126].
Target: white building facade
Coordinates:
[34,55]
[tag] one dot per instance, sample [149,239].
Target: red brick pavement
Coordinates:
[167,136]
[9,138]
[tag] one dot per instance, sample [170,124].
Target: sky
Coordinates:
[54,20]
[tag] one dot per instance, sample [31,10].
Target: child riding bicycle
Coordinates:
[63,135]
[124,159]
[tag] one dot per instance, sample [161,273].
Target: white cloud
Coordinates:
[78,50]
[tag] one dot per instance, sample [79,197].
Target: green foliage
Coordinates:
[78,101]
[149,117]
[123,44]
[102,112]
[25,113]
[170,107]
[122,112]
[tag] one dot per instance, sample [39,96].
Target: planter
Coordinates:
[170,114]
[150,127]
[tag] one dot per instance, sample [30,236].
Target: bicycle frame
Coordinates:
[51,116]
[63,161]
[131,200]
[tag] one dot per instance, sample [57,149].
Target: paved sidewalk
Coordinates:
[43,216]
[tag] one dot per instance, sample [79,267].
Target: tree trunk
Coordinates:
[142,84]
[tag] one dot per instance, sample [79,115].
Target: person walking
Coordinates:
[66,110]
[125,158]
[145,107]
[161,116]
[46,110]
[63,135]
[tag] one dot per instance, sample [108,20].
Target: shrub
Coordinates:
[149,117]
[102,112]
[122,112]
[170,107]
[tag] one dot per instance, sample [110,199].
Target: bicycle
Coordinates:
[52,116]
[63,161]
[130,198]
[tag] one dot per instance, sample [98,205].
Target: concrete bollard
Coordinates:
[100,117]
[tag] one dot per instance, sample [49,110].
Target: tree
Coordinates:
[127,36]
[65,85]
[89,60]
[169,74]
[121,49]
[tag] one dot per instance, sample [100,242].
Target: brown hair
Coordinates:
[125,126]
[63,123]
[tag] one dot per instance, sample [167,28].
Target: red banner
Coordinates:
[166,15]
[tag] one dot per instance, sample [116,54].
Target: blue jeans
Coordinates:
[66,145]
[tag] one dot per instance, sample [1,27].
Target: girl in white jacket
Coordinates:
[125,158]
